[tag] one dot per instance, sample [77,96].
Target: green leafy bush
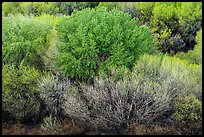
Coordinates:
[19,90]
[164,21]
[188,109]
[24,40]
[195,55]
[91,40]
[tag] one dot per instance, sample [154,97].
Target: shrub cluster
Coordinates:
[174,24]
[109,47]
[39,8]
[144,96]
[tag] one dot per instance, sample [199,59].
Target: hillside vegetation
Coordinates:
[102,67]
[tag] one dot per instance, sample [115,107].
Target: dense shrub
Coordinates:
[19,90]
[67,8]
[128,7]
[114,106]
[24,39]
[188,109]
[195,55]
[91,40]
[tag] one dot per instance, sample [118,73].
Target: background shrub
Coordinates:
[174,24]
[20,91]
[24,40]
[92,40]
[40,8]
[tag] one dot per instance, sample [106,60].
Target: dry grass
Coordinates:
[68,127]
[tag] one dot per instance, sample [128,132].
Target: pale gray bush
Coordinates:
[51,90]
[115,106]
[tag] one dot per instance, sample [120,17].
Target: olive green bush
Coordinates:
[93,40]
[49,123]
[19,91]
[188,109]
[25,39]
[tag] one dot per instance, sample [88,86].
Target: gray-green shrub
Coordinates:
[51,90]
[112,107]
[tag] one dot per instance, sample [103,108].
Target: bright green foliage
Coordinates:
[24,39]
[91,40]
[19,89]
[187,109]
[195,55]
